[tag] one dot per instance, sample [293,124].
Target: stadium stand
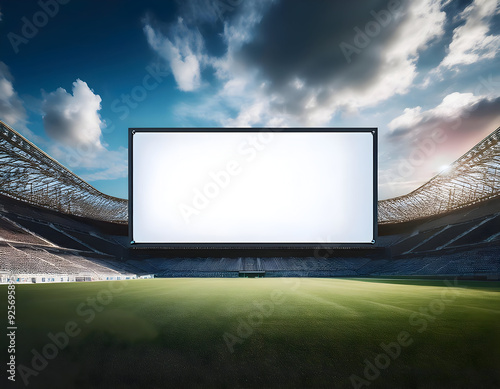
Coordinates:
[34,249]
[54,227]
[10,231]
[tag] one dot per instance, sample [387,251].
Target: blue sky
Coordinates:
[75,75]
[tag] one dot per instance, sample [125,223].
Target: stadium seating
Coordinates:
[46,240]
[9,231]
[35,241]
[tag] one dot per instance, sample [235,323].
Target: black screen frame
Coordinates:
[252,246]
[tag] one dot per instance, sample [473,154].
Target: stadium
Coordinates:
[56,227]
[317,318]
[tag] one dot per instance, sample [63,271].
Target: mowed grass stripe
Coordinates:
[318,332]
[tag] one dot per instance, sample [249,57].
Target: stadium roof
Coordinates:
[29,174]
[472,178]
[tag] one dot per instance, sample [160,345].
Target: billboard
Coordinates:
[247,187]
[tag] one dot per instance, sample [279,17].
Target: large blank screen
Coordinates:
[264,186]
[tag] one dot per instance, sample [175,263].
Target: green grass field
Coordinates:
[335,333]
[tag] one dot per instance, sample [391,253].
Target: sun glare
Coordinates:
[444,168]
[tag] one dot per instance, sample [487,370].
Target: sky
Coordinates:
[75,75]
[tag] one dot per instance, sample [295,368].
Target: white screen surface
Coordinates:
[252,187]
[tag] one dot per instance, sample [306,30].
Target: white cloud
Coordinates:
[183,54]
[258,103]
[399,57]
[248,117]
[12,111]
[410,118]
[454,105]
[73,120]
[471,41]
